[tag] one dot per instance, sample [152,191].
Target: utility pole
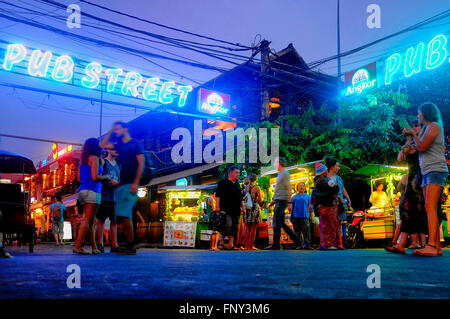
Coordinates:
[101,109]
[339,63]
[265,52]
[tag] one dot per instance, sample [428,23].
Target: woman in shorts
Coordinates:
[89,193]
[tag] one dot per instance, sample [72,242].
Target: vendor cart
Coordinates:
[15,221]
[380,222]
[185,217]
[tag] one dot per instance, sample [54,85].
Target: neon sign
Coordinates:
[61,69]
[213,102]
[56,154]
[414,60]
[360,80]
[181,182]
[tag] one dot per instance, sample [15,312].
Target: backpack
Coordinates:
[56,212]
[248,202]
[147,172]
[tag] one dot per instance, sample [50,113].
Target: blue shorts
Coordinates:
[125,201]
[434,178]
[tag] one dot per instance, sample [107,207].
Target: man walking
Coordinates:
[131,163]
[110,169]
[229,202]
[57,212]
[282,200]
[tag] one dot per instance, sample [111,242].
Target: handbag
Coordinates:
[217,221]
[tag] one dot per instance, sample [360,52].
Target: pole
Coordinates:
[339,63]
[265,51]
[101,108]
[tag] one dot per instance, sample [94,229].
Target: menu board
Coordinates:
[178,233]
[285,239]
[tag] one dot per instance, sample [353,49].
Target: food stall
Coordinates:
[185,214]
[298,173]
[380,222]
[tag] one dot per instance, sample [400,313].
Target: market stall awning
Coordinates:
[379,169]
[188,188]
[182,174]
[15,163]
[270,171]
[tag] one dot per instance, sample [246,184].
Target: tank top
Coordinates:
[86,179]
[433,159]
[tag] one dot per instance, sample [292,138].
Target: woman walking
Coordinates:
[430,144]
[325,197]
[89,193]
[251,216]
[344,200]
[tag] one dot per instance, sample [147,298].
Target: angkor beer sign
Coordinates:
[361,79]
[62,68]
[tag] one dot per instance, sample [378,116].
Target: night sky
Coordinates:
[309,25]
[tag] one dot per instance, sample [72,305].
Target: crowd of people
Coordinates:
[109,191]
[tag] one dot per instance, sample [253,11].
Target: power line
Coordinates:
[432,19]
[167,27]
[39,139]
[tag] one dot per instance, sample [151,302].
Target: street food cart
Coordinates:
[380,222]
[298,173]
[185,214]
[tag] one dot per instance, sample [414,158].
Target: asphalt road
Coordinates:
[182,273]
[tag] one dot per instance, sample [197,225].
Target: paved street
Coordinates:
[178,273]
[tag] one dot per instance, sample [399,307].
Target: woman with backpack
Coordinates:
[251,217]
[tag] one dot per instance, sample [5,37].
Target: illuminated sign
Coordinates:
[360,80]
[181,182]
[56,154]
[415,59]
[213,102]
[62,69]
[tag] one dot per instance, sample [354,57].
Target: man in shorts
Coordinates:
[111,169]
[57,212]
[131,163]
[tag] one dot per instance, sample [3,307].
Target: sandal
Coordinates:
[419,252]
[254,248]
[96,252]
[81,251]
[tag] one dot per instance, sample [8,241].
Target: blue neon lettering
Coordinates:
[165,95]
[113,76]
[14,54]
[436,55]
[39,63]
[63,70]
[412,63]
[131,83]
[184,91]
[92,77]
[150,91]
[392,66]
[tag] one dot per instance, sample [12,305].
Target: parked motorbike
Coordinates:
[355,234]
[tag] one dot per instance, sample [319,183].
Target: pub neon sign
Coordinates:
[416,59]
[61,69]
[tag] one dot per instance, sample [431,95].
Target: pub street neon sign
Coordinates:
[416,59]
[133,83]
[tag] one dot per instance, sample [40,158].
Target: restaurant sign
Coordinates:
[64,69]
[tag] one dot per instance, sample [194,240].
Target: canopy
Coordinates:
[380,169]
[13,163]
